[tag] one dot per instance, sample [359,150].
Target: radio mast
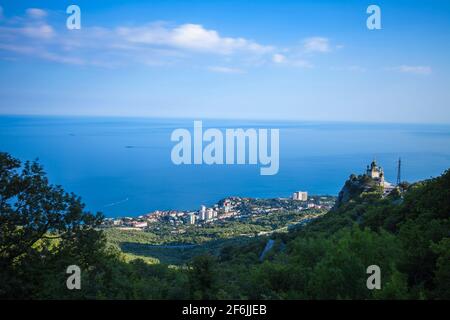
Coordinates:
[399,167]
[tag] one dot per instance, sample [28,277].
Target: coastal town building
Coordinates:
[227,206]
[203,213]
[209,214]
[300,196]
[191,218]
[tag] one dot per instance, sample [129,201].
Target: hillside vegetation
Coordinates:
[43,230]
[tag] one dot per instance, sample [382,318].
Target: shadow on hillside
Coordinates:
[178,254]
[167,254]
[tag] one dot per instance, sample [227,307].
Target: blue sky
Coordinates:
[296,60]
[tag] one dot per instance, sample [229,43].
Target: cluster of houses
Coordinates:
[233,207]
[175,217]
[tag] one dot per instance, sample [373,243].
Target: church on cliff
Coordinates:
[377,174]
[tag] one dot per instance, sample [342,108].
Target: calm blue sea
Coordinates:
[122,167]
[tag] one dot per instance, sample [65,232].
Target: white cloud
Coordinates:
[220,69]
[291,61]
[61,58]
[37,31]
[278,58]
[22,49]
[191,37]
[316,44]
[421,70]
[152,44]
[42,54]
[43,31]
[33,25]
[36,13]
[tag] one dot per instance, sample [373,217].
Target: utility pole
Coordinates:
[399,171]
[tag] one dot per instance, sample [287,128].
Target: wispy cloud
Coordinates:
[300,56]
[220,69]
[157,43]
[421,70]
[191,37]
[32,25]
[316,44]
[278,58]
[150,44]
[291,61]
[36,13]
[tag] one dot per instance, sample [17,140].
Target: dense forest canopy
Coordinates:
[44,230]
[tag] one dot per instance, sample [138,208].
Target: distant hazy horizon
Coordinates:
[192,118]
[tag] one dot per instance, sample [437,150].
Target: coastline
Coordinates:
[231,208]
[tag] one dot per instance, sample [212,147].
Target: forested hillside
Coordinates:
[407,234]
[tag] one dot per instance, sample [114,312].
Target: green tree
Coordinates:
[43,229]
[202,277]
